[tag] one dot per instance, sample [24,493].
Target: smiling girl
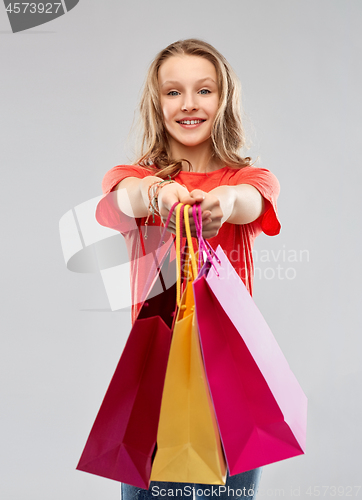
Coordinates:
[192,137]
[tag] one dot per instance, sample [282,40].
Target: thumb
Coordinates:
[187,199]
[198,194]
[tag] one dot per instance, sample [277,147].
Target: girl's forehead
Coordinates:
[186,67]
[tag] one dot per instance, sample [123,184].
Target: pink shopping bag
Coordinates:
[260,407]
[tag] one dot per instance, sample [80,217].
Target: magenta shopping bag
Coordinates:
[260,407]
[122,441]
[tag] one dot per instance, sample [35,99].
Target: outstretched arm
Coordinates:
[132,199]
[239,204]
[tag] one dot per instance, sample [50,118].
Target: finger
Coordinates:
[186,199]
[204,215]
[198,193]
[198,198]
[211,229]
[171,230]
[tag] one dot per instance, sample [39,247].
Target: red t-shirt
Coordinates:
[236,239]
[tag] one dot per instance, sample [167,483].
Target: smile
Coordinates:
[190,122]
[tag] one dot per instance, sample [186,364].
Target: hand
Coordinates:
[212,213]
[174,192]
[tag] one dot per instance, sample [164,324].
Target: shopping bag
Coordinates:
[188,441]
[260,407]
[122,441]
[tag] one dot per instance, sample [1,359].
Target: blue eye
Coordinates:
[173,92]
[205,90]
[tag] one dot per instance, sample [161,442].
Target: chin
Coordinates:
[191,143]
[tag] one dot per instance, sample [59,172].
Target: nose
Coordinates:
[189,102]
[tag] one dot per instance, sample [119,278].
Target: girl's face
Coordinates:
[189,99]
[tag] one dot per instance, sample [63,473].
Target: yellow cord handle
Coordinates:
[178,246]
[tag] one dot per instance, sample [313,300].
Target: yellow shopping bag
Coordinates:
[188,441]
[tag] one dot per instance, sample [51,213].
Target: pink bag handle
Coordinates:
[204,245]
[167,222]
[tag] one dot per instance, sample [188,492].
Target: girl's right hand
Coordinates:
[172,193]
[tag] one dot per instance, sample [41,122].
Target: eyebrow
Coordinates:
[174,82]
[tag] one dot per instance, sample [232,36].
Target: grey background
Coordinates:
[68,91]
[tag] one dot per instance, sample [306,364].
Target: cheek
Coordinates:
[167,110]
[213,106]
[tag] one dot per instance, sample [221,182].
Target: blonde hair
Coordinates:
[227,133]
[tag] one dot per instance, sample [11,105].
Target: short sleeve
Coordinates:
[108,213]
[117,174]
[268,186]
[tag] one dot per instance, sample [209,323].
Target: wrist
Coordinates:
[227,198]
[145,185]
[154,187]
[160,190]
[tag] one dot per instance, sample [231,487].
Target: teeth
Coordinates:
[190,122]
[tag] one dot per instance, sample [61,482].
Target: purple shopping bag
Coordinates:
[261,409]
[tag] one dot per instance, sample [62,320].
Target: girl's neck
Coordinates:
[202,167]
[200,158]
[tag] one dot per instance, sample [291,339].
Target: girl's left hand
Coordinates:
[210,205]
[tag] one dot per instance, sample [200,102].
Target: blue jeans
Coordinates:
[241,486]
